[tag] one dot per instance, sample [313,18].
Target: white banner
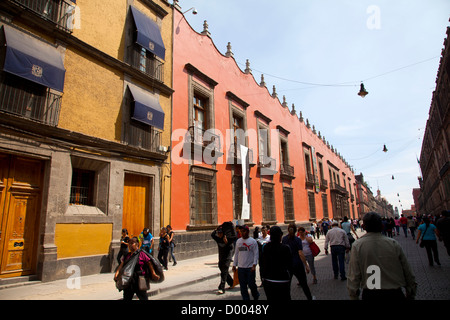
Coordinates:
[245,214]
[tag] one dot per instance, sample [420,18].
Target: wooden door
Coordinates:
[136,204]
[20,187]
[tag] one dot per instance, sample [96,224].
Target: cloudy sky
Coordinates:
[317,53]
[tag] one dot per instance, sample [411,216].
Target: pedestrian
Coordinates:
[245,260]
[163,249]
[146,240]
[225,246]
[263,238]
[312,230]
[276,267]
[325,226]
[379,266]
[397,225]
[140,269]
[338,241]
[390,227]
[347,226]
[123,245]
[172,244]
[298,259]
[412,227]
[443,226]
[404,224]
[428,234]
[307,239]
[318,227]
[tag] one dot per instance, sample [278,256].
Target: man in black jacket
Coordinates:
[225,245]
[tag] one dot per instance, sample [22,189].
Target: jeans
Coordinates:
[277,290]
[432,250]
[338,260]
[224,265]
[172,248]
[162,256]
[247,278]
[300,273]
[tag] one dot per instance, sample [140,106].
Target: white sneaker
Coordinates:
[220,291]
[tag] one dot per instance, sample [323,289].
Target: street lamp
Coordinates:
[362,91]
[194,12]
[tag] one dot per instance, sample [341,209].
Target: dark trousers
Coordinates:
[277,290]
[338,260]
[381,294]
[300,274]
[162,256]
[247,279]
[224,265]
[128,293]
[432,250]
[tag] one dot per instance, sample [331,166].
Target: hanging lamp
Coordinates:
[362,91]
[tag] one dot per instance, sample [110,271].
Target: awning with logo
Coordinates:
[148,34]
[32,59]
[146,108]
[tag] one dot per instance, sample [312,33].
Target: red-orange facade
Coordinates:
[294,173]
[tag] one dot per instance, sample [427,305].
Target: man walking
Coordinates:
[379,266]
[246,259]
[338,241]
[225,245]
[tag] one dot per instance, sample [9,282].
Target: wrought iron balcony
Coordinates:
[146,62]
[337,188]
[34,102]
[287,171]
[310,180]
[143,136]
[267,165]
[59,12]
[323,184]
[234,155]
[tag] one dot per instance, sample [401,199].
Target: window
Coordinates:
[325,205]
[312,206]
[203,196]
[268,202]
[237,197]
[82,187]
[199,114]
[288,195]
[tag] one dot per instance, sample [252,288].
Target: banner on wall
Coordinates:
[316,174]
[245,214]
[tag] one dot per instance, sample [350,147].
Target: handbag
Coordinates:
[157,266]
[144,283]
[422,244]
[315,250]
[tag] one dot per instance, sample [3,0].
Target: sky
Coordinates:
[317,53]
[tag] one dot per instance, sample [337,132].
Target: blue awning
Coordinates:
[146,108]
[32,59]
[148,34]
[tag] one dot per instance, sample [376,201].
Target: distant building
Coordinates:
[434,157]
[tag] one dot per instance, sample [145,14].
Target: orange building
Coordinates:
[220,114]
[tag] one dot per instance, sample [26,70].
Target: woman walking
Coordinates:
[427,233]
[144,260]
[306,241]
[164,245]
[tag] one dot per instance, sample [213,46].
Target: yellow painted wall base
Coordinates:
[76,240]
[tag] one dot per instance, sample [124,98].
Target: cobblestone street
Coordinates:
[433,282]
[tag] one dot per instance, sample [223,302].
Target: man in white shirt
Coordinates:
[338,241]
[245,259]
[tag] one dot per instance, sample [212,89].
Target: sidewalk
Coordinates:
[102,286]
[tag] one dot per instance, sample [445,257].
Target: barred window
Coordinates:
[312,206]
[325,205]
[288,194]
[268,199]
[203,196]
[82,188]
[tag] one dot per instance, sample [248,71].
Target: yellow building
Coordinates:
[85,124]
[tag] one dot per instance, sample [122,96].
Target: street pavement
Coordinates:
[198,278]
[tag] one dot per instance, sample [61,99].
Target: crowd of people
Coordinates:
[376,253]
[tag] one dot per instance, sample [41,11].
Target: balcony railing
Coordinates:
[59,12]
[234,155]
[144,61]
[310,180]
[324,184]
[337,188]
[143,136]
[287,171]
[267,165]
[38,105]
